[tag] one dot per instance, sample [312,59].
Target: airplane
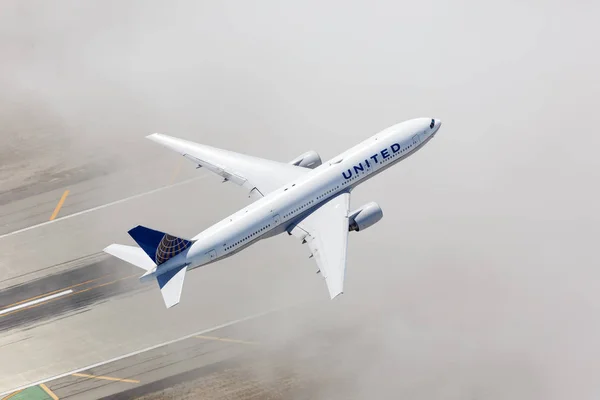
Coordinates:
[305,197]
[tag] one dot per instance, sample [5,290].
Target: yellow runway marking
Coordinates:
[50,392]
[72,294]
[11,395]
[107,378]
[59,205]
[220,339]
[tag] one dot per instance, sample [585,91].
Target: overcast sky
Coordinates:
[490,232]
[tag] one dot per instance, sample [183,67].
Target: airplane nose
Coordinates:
[436,123]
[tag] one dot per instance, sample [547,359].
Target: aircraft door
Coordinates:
[276,219]
[416,139]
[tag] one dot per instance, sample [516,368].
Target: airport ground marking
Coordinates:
[52,292]
[12,394]
[54,296]
[222,339]
[27,307]
[59,205]
[106,378]
[48,391]
[154,347]
[89,210]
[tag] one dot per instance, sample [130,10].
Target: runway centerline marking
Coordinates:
[34,304]
[106,378]
[89,210]
[59,205]
[11,310]
[154,347]
[52,292]
[221,339]
[48,391]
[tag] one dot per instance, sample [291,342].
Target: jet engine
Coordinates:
[364,217]
[310,159]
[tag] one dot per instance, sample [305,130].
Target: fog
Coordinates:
[482,280]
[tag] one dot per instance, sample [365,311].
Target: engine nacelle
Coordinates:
[364,217]
[310,159]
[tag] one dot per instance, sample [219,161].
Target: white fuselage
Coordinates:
[280,209]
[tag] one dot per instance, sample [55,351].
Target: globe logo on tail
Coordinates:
[169,247]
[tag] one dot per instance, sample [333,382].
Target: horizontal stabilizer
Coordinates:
[159,246]
[133,255]
[171,285]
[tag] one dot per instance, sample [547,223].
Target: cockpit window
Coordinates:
[432,124]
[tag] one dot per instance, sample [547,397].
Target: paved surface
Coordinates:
[241,360]
[159,368]
[77,289]
[65,305]
[77,324]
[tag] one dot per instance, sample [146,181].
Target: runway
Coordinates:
[65,305]
[236,360]
[161,366]
[95,282]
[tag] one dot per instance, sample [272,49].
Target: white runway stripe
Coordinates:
[37,301]
[102,206]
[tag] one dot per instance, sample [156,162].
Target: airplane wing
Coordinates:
[326,232]
[258,175]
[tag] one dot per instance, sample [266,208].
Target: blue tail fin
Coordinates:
[159,246]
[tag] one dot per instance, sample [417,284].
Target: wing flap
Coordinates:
[326,233]
[227,175]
